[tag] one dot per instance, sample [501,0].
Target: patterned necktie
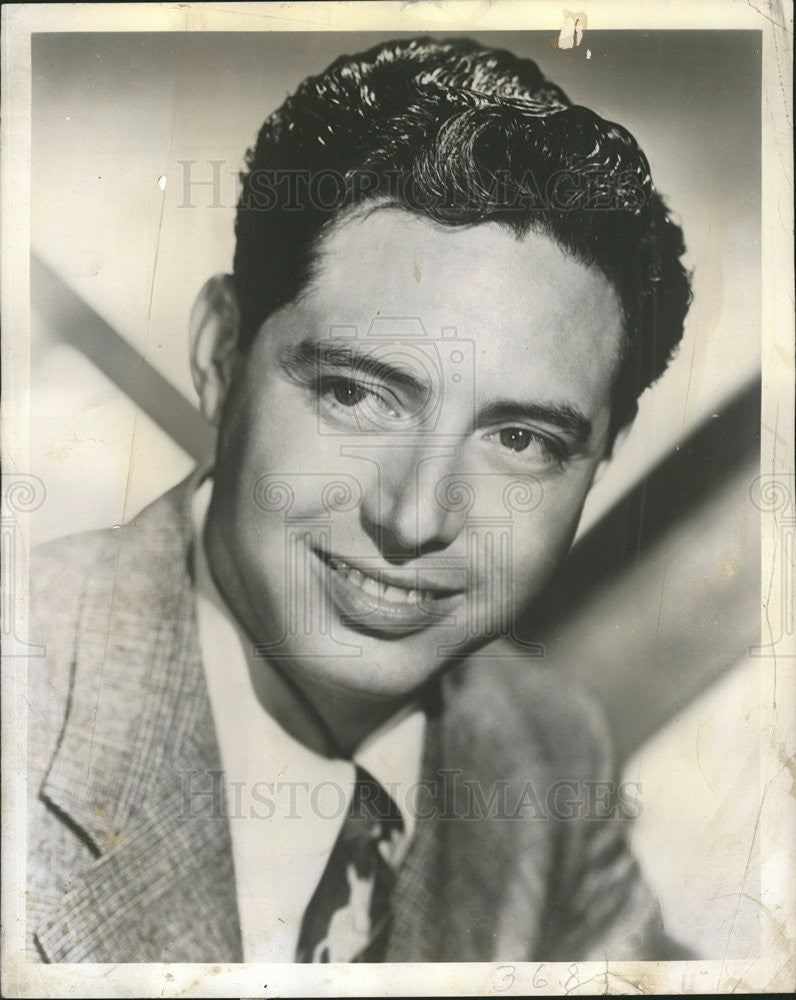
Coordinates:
[349,914]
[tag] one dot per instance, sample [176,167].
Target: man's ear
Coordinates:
[214,329]
[619,440]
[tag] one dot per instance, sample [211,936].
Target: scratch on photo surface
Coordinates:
[788,962]
[698,760]
[741,894]
[284,15]
[757,9]
[181,63]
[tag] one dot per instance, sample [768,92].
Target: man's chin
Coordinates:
[382,670]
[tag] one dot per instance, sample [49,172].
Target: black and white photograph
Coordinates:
[398,499]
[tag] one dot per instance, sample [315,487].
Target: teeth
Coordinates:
[373,587]
[397,595]
[389,593]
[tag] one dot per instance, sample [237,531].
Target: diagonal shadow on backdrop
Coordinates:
[662,595]
[78,325]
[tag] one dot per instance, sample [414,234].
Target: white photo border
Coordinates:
[773,970]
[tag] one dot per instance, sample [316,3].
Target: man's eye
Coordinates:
[515,438]
[367,404]
[349,393]
[530,446]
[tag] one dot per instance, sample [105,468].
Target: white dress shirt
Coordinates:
[286,802]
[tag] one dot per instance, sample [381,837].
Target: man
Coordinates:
[275,723]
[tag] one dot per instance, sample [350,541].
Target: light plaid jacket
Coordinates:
[120,870]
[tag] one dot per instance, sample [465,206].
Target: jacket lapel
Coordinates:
[474,885]
[417,900]
[497,860]
[138,770]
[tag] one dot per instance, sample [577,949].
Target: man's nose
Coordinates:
[406,515]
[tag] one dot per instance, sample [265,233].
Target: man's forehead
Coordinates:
[389,251]
[524,305]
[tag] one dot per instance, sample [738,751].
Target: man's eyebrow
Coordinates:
[567,418]
[310,358]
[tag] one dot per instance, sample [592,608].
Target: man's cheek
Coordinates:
[535,552]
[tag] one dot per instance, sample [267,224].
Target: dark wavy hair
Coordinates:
[461,134]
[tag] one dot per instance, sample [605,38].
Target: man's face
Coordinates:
[405,450]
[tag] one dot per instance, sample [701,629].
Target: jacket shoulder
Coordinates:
[74,581]
[66,570]
[527,711]
[59,573]
[59,569]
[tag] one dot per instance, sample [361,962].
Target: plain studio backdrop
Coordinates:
[125,129]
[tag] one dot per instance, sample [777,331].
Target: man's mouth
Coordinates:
[388,601]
